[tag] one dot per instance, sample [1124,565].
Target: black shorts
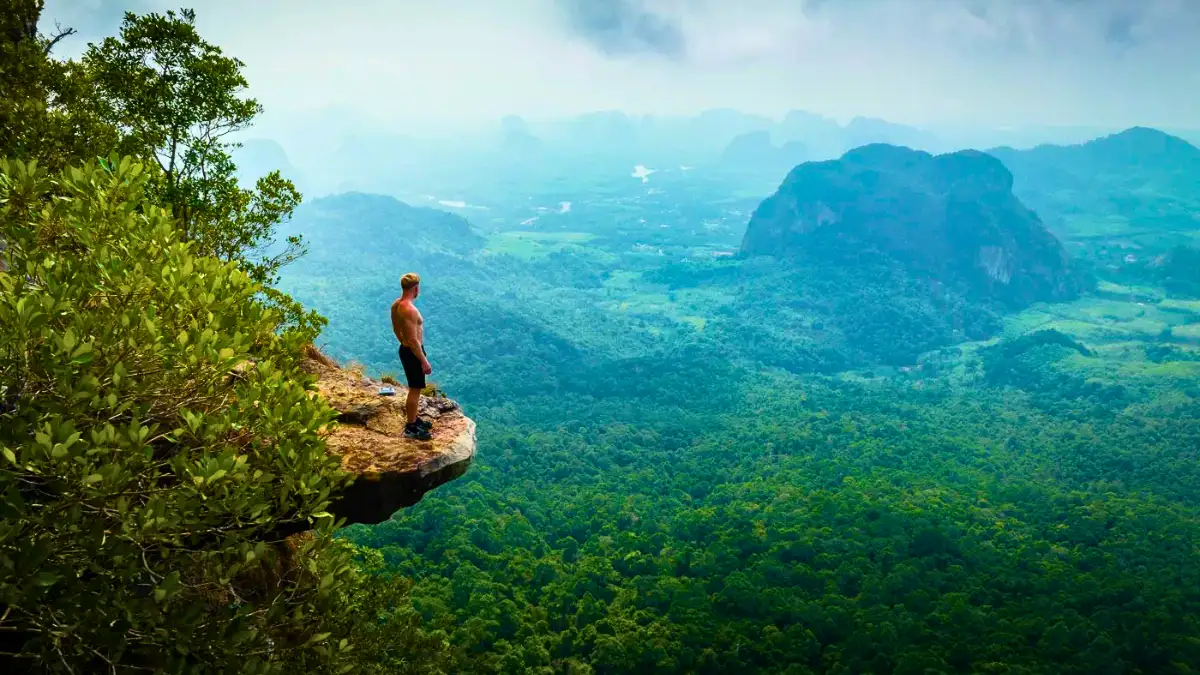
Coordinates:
[413,372]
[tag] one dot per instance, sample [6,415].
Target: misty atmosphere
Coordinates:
[600,336]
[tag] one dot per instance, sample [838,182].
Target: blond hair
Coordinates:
[409,280]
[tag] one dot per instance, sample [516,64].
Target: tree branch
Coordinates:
[60,33]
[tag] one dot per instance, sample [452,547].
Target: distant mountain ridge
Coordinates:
[1130,155]
[338,155]
[1134,145]
[755,150]
[363,229]
[258,157]
[951,218]
[1143,179]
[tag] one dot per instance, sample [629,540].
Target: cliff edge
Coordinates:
[392,471]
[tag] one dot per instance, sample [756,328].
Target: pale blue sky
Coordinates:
[431,63]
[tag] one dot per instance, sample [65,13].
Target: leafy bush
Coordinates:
[156,439]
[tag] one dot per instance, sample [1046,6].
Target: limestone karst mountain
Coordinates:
[951,219]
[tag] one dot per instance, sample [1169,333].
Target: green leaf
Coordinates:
[94,478]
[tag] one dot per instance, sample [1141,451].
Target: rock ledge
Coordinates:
[393,471]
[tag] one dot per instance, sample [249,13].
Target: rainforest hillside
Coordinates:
[893,412]
[695,461]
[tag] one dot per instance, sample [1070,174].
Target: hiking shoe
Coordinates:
[417,433]
[423,423]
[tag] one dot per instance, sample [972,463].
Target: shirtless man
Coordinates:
[409,328]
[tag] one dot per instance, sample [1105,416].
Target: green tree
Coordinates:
[156,435]
[45,108]
[384,629]
[175,100]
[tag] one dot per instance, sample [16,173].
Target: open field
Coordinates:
[530,244]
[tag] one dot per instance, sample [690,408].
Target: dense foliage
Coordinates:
[158,439]
[141,480]
[1180,271]
[47,110]
[175,98]
[689,461]
[826,317]
[821,527]
[654,496]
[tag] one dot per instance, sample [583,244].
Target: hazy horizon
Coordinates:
[467,63]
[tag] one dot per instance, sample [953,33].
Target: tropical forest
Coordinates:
[794,393]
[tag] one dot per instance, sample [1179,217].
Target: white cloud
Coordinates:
[455,62]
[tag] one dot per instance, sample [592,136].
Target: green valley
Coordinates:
[764,391]
[699,463]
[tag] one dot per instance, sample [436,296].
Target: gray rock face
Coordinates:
[948,218]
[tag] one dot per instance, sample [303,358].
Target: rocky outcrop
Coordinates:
[392,471]
[951,219]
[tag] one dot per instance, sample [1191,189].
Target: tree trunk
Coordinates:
[19,20]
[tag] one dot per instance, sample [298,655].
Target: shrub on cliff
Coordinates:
[141,483]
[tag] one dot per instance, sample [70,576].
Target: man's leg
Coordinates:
[414,402]
[415,376]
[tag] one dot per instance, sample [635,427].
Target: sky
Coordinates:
[447,63]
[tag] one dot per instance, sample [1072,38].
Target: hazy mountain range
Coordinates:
[333,151]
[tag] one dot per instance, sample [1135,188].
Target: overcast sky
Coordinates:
[996,62]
